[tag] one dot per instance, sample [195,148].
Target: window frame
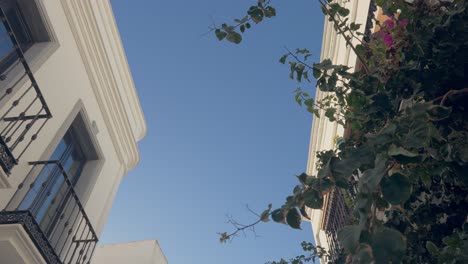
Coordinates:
[44,40]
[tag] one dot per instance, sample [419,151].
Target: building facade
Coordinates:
[141,252]
[70,120]
[335,213]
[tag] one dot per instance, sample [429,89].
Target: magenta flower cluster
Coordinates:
[389,26]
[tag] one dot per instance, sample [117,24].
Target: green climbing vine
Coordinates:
[405,111]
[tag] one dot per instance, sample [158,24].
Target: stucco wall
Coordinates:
[67,87]
[324,132]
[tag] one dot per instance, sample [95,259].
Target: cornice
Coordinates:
[332,44]
[94,29]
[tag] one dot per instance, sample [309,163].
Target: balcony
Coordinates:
[338,215]
[23,110]
[47,208]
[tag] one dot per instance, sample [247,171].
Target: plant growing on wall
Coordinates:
[407,131]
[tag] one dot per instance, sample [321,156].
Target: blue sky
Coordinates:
[223,128]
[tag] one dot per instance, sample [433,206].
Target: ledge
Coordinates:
[94,29]
[17,247]
[20,233]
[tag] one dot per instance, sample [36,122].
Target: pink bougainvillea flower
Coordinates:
[388,40]
[403,22]
[386,36]
[389,24]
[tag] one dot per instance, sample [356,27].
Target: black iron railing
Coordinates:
[337,217]
[23,110]
[338,214]
[48,207]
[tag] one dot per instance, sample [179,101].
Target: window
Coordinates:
[26,23]
[51,195]
[50,192]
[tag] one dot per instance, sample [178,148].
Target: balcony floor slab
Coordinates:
[16,246]
[21,228]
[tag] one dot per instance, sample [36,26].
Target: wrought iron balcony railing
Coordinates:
[23,110]
[338,214]
[48,207]
[336,218]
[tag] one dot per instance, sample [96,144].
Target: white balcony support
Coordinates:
[17,247]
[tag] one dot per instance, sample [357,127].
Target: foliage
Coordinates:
[407,133]
[313,253]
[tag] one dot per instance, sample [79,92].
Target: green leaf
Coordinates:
[402,155]
[343,11]
[313,199]
[381,203]
[299,70]
[309,102]
[315,111]
[220,34]
[227,29]
[264,216]
[304,213]
[283,58]
[438,112]
[290,202]
[317,73]
[326,64]
[360,49]
[425,178]
[333,8]
[270,11]
[278,216]
[302,51]
[242,21]
[256,14]
[330,114]
[297,189]
[302,177]
[396,189]
[305,75]
[341,169]
[445,152]
[242,28]
[349,238]
[293,219]
[370,179]
[234,37]
[353,26]
[325,170]
[363,255]
[432,248]
[247,25]
[388,246]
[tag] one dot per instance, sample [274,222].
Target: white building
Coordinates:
[140,252]
[70,120]
[332,217]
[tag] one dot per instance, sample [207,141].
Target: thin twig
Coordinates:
[250,210]
[297,58]
[451,93]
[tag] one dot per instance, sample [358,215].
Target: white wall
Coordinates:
[139,252]
[68,83]
[324,132]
